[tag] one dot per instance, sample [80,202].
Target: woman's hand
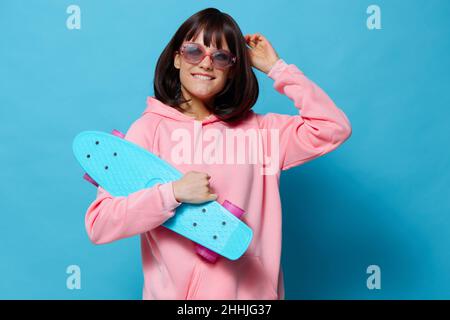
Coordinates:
[193,187]
[262,54]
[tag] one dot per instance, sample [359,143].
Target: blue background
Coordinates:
[382,198]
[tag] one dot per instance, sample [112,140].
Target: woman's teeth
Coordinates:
[202,77]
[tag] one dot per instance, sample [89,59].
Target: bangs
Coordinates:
[214,30]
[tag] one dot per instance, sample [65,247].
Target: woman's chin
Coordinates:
[202,96]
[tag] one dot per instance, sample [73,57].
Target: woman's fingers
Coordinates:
[253,39]
[212,196]
[250,38]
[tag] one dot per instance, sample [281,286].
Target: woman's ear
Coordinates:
[176,60]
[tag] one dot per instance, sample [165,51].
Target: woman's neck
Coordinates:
[195,108]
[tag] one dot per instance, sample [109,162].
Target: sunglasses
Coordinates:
[195,53]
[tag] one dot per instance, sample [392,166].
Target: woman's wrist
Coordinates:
[175,191]
[271,65]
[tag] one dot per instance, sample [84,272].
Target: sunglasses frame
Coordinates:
[205,54]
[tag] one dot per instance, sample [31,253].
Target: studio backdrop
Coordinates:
[370,220]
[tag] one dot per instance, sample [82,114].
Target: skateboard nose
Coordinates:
[235,248]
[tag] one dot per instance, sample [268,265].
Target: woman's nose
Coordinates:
[206,62]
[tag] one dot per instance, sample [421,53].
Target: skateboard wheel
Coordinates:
[88,178]
[206,254]
[117,133]
[234,209]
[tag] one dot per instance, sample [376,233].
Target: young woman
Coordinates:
[204,91]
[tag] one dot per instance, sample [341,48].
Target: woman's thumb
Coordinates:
[212,196]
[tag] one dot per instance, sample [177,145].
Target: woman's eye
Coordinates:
[194,51]
[221,56]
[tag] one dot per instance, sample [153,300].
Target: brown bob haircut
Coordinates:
[240,92]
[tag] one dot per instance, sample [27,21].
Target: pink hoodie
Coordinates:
[172,269]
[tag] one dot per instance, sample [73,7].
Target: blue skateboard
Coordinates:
[122,167]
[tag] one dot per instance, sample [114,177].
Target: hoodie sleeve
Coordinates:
[320,126]
[111,218]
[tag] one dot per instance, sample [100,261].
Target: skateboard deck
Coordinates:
[122,167]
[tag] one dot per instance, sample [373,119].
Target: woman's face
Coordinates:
[204,90]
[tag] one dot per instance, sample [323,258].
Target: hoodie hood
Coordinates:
[157,107]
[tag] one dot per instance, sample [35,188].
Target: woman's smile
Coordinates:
[202,77]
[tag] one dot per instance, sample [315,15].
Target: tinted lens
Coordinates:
[193,53]
[221,59]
